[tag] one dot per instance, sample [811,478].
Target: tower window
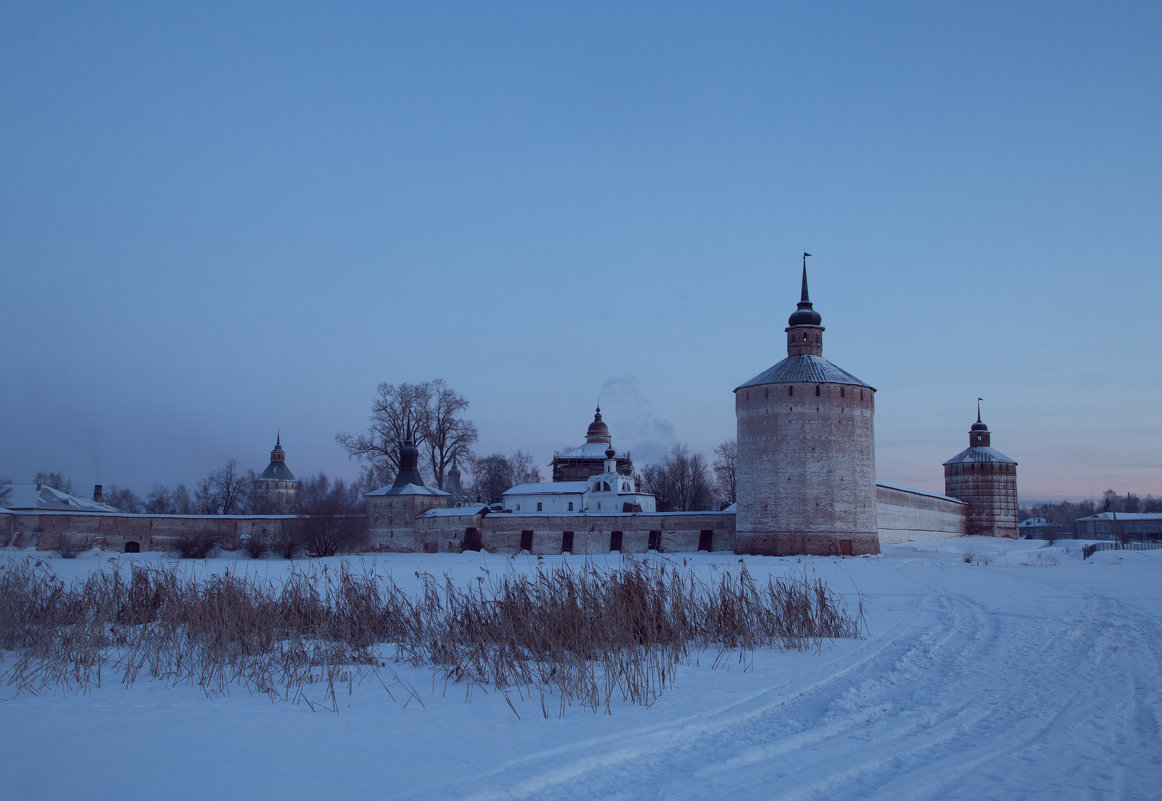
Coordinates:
[570,506]
[539,506]
[843,392]
[767,392]
[816,390]
[790,390]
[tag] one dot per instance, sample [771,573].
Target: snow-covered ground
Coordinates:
[1028,673]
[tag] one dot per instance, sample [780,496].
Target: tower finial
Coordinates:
[278,438]
[804,297]
[978,400]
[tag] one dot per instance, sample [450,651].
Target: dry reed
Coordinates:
[584,636]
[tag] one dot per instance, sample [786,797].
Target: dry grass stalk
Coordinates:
[583,636]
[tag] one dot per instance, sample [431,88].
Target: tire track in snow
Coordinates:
[959,694]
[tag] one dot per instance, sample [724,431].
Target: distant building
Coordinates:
[1119,525]
[277,486]
[986,480]
[43,498]
[457,495]
[608,491]
[588,459]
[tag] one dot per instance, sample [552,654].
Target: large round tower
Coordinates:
[986,480]
[806,474]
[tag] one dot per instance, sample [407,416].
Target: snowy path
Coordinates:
[965,694]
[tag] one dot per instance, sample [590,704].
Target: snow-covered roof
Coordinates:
[33,496]
[456,511]
[913,490]
[1124,516]
[549,488]
[406,489]
[804,369]
[979,453]
[590,450]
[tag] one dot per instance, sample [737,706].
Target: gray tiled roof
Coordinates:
[979,453]
[277,471]
[804,369]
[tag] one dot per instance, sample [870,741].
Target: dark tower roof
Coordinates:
[598,431]
[409,467]
[980,447]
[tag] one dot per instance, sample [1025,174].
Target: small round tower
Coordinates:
[806,476]
[986,480]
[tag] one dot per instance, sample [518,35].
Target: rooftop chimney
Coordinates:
[98,493]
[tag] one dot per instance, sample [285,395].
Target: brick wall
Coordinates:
[990,490]
[806,469]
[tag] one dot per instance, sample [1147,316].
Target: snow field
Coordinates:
[1025,674]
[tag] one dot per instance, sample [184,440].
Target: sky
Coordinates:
[222,220]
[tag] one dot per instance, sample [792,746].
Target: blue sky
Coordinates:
[218,220]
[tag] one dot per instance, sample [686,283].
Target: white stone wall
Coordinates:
[904,515]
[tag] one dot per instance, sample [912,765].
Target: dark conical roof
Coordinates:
[804,314]
[409,467]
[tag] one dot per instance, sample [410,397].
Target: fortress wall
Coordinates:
[110,531]
[392,524]
[905,515]
[503,532]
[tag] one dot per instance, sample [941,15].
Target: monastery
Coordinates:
[806,484]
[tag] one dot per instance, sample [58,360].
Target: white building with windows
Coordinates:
[609,491]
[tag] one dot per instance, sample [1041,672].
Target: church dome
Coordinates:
[804,315]
[598,431]
[979,426]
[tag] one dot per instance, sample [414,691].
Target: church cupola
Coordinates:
[804,329]
[409,466]
[598,431]
[610,460]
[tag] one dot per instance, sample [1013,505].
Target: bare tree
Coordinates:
[725,461]
[491,476]
[55,480]
[524,470]
[223,491]
[124,499]
[449,436]
[159,501]
[5,490]
[429,414]
[334,515]
[679,483]
[181,502]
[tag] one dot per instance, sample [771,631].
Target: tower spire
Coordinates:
[804,297]
[978,400]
